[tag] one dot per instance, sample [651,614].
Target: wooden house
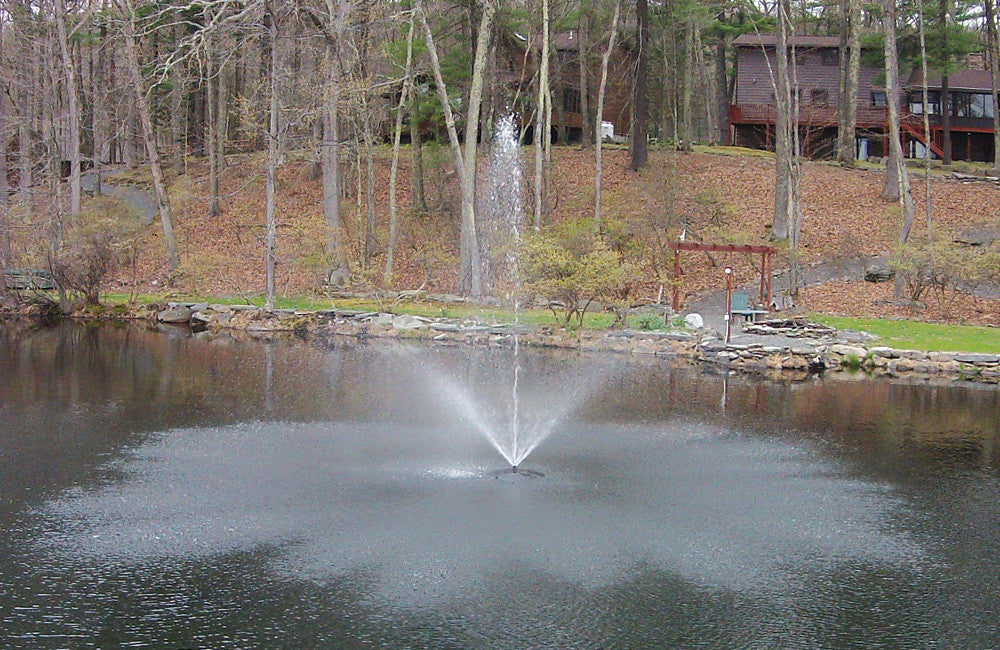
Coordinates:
[814,64]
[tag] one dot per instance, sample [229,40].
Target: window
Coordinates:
[981,106]
[820,97]
[878,99]
[916,102]
[830,57]
[961,104]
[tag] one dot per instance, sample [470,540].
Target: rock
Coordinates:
[878,272]
[713,345]
[447,298]
[383,320]
[445,327]
[407,322]
[941,357]
[178,314]
[201,317]
[848,350]
[978,359]
[803,350]
[694,321]
[978,235]
[887,353]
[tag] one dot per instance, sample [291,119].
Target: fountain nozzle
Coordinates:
[513,468]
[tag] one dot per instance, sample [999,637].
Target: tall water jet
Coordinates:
[505,211]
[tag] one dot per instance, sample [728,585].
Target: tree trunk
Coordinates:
[176,108]
[272,159]
[586,130]
[850,65]
[782,127]
[5,251]
[331,170]
[640,102]
[211,79]
[333,29]
[404,97]
[417,159]
[465,162]
[687,113]
[99,114]
[222,88]
[73,108]
[722,98]
[944,11]
[893,99]
[994,58]
[927,121]
[599,140]
[149,136]
[542,134]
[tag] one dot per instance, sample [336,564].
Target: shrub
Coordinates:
[944,268]
[572,266]
[101,240]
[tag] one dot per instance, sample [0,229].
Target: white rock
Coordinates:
[694,321]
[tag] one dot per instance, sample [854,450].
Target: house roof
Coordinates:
[961,80]
[771,40]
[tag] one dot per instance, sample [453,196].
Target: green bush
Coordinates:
[572,266]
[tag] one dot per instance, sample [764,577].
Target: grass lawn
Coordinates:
[486,315]
[904,334]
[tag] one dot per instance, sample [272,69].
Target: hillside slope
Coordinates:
[712,197]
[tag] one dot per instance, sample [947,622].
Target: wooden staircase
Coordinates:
[917,132]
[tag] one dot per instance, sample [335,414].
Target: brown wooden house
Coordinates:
[816,74]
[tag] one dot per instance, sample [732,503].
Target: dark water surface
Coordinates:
[164,491]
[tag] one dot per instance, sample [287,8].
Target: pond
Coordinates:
[163,490]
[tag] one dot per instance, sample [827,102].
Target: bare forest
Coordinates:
[284,147]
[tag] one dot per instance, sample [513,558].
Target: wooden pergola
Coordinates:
[766,254]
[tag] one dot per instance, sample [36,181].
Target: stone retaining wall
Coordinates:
[798,361]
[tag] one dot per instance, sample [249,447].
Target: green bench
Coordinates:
[740,306]
[21,279]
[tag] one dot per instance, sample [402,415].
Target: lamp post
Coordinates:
[729,302]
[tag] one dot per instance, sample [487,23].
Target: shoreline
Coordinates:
[780,359]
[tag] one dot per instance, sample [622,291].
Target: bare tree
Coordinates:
[893,99]
[783,203]
[598,122]
[332,23]
[640,100]
[586,130]
[543,134]
[271,24]
[465,161]
[129,31]
[72,106]
[993,46]
[850,66]
[404,99]
[927,120]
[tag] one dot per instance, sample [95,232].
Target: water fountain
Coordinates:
[512,430]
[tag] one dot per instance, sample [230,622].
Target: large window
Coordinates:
[974,105]
[878,99]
